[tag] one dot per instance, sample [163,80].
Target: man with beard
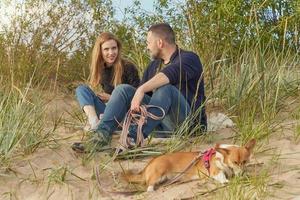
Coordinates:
[173,81]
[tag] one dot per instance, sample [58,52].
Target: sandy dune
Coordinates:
[59,173]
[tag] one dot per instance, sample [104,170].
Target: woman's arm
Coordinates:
[104,96]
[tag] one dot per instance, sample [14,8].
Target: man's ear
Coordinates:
[223,151]
[160,43]
[250,145]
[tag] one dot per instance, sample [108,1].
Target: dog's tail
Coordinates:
[132,177]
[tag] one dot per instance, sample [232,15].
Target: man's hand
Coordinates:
[136,100]
[157,81]
[104,96]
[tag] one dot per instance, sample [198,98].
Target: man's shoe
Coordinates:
[89,147]
[99,142]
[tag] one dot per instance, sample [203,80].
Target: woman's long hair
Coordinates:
[97,62]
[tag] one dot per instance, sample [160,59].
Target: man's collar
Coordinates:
[174,55]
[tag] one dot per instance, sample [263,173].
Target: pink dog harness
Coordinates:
[207,155]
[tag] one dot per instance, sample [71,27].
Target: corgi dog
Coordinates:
[219,163]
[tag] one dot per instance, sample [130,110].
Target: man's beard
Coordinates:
[155,55]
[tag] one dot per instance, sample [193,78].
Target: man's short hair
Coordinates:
[164,31]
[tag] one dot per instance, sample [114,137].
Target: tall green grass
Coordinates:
[253,87]
[23,126]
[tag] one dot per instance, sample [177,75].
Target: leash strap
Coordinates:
[139,119]
[206,157]
[179,175]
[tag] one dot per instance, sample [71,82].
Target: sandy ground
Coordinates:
[56,172]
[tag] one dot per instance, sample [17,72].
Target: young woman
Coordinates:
[108,69]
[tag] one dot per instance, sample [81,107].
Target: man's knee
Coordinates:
[165,90]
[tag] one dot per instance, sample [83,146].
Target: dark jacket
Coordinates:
[184,72]
[130,76]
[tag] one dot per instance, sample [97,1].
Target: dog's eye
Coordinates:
[235,162]
[244,162]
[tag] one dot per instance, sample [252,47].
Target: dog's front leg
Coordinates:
[220,177]
[150,188]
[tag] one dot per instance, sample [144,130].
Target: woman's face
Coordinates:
[110,51]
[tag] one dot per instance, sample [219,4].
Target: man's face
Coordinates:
[152,45]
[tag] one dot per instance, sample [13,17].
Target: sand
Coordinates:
[56,172]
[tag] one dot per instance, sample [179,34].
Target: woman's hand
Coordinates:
[104,96]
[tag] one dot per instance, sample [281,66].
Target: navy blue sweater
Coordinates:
[184,72]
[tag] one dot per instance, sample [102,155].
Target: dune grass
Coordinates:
[252,82]
[23,126]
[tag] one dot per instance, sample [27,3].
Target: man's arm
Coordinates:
[157,81]
[188,68]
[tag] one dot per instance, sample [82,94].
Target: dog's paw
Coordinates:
[221,178]
[150,188]
[224,181]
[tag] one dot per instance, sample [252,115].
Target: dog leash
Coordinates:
[139,119]
[207,155]
[178,176]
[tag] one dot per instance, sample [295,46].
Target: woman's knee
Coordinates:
[82,89]
[124,90]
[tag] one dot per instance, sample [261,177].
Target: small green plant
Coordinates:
[245,188]
[296,116]
[297,133]
[58,175]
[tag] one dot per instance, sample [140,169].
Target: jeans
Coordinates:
[86,96]
[168,97]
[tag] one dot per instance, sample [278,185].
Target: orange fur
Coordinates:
[228,159]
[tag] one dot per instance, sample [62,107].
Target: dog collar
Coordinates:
[207,155]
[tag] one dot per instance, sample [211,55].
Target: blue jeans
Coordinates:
[86,96]
[168,97]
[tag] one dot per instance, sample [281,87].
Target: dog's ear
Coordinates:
[250,145]
[223,151]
